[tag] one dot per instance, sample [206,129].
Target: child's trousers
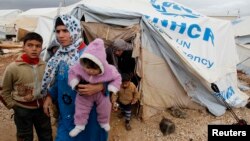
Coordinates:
[25,119]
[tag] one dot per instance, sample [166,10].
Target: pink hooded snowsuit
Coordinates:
[95,51]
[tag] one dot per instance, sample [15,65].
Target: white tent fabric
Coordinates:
[198,50]
[242,36]
[45,28]
[241,26]
[7,17]
[28,20]
[244,56]
[9,13]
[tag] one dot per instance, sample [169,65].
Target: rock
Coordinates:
[166,126]
[177,112]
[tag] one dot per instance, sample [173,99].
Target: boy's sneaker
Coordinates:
[128,127]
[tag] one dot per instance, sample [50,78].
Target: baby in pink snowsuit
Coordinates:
[93,68]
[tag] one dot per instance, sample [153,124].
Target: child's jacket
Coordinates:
[126,95]
[22,84]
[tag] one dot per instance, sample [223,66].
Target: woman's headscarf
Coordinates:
[68,54]
[120,44]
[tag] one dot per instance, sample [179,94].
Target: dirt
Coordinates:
[193,127]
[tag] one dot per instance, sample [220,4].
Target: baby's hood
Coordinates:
[95,51]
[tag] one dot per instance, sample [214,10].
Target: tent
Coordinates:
[7,17]
[240,26]
[28,19]
[179,52]
[244,58]
[242,36]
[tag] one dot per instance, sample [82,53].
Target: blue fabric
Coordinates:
[106,93]
[65,97]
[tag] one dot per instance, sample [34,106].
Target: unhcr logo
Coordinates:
[166,7]
[192,30]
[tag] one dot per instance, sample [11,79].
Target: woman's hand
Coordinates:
[46,105]
[89,89]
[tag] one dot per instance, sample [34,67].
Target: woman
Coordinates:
[55,83]
[120,55]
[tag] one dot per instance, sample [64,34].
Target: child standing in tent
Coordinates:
[93,68]
[21,91]
[55,83]
[127,96]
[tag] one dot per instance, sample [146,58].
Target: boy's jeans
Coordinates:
[25,119]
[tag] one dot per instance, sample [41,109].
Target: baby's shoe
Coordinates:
[74,132]
[105,126]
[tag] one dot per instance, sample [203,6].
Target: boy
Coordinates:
[127,96]
[21,91]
